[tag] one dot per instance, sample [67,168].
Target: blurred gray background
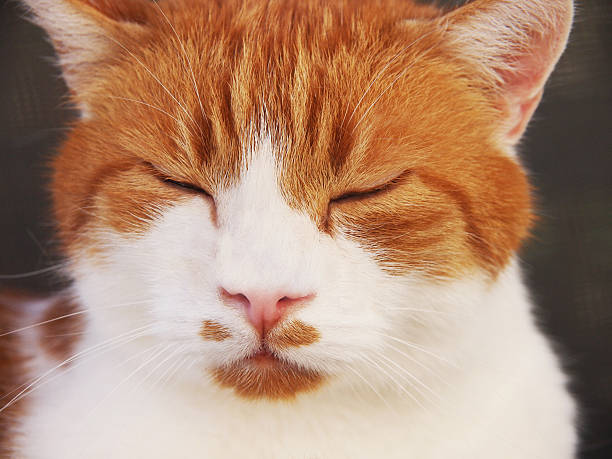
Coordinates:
[568,151]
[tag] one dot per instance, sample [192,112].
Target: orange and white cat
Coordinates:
[292,229]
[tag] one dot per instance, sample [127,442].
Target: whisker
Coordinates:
[157,80]
[63,335]
[411,376]
[101,348]
[418,348]
[428,311]
[400,386]
[72,314]
[138,354]
[416,361]
[148,105]
[124,362]
[170,366]
[393,59]
[163,380]
[38,272]
[195,85]
[369,385]
[128,377]
[193,361]
[177,349]
[400,75]
[156,353]
[34,385]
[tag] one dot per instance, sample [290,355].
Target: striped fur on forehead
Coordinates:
[348,96]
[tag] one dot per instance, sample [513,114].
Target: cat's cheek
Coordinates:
[180,247]
[124,200]
[181,271]
[131,201]
[150,270]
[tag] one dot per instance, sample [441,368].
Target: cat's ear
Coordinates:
[513,46]
[85,33]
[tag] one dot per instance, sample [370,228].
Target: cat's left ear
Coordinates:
[86,33]
[513,45]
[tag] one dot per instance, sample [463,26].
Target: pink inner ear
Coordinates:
[521,116]
[523,84]
[519,42]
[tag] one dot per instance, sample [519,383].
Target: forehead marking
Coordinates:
[256,196]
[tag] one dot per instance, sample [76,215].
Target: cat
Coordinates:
[292,229]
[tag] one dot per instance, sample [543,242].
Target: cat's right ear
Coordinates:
[87,33]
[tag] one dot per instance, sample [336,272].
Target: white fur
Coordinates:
[489,385]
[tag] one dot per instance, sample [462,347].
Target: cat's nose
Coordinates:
[264,309]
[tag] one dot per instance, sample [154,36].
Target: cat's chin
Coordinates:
[262,375]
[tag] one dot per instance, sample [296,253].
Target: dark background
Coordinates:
[568,151]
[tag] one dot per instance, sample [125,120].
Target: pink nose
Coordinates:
[264,309]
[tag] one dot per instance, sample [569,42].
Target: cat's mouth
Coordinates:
[263,358]
[263,375]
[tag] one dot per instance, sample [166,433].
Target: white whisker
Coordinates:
[157,80]
[156,353]
[400,75]
[38,272]
[177,349]
[165,380]
[72,314]
[360,376]
[397,383]
[393,59]
[418,348]
[416,361]
[411,376]
[428,311]
[136,101]
[195,85]
[171,366]
[38,382]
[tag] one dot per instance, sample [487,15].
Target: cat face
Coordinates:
[284,195]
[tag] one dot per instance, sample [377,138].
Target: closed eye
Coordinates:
[185,185]
[375,191]
[357,195]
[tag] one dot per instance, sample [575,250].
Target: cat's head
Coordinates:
[286,193]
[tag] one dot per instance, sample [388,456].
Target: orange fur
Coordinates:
[59,336]
[266,377]
[13,368]
[354,98]
[295,333]
[351,99]
[213,331]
